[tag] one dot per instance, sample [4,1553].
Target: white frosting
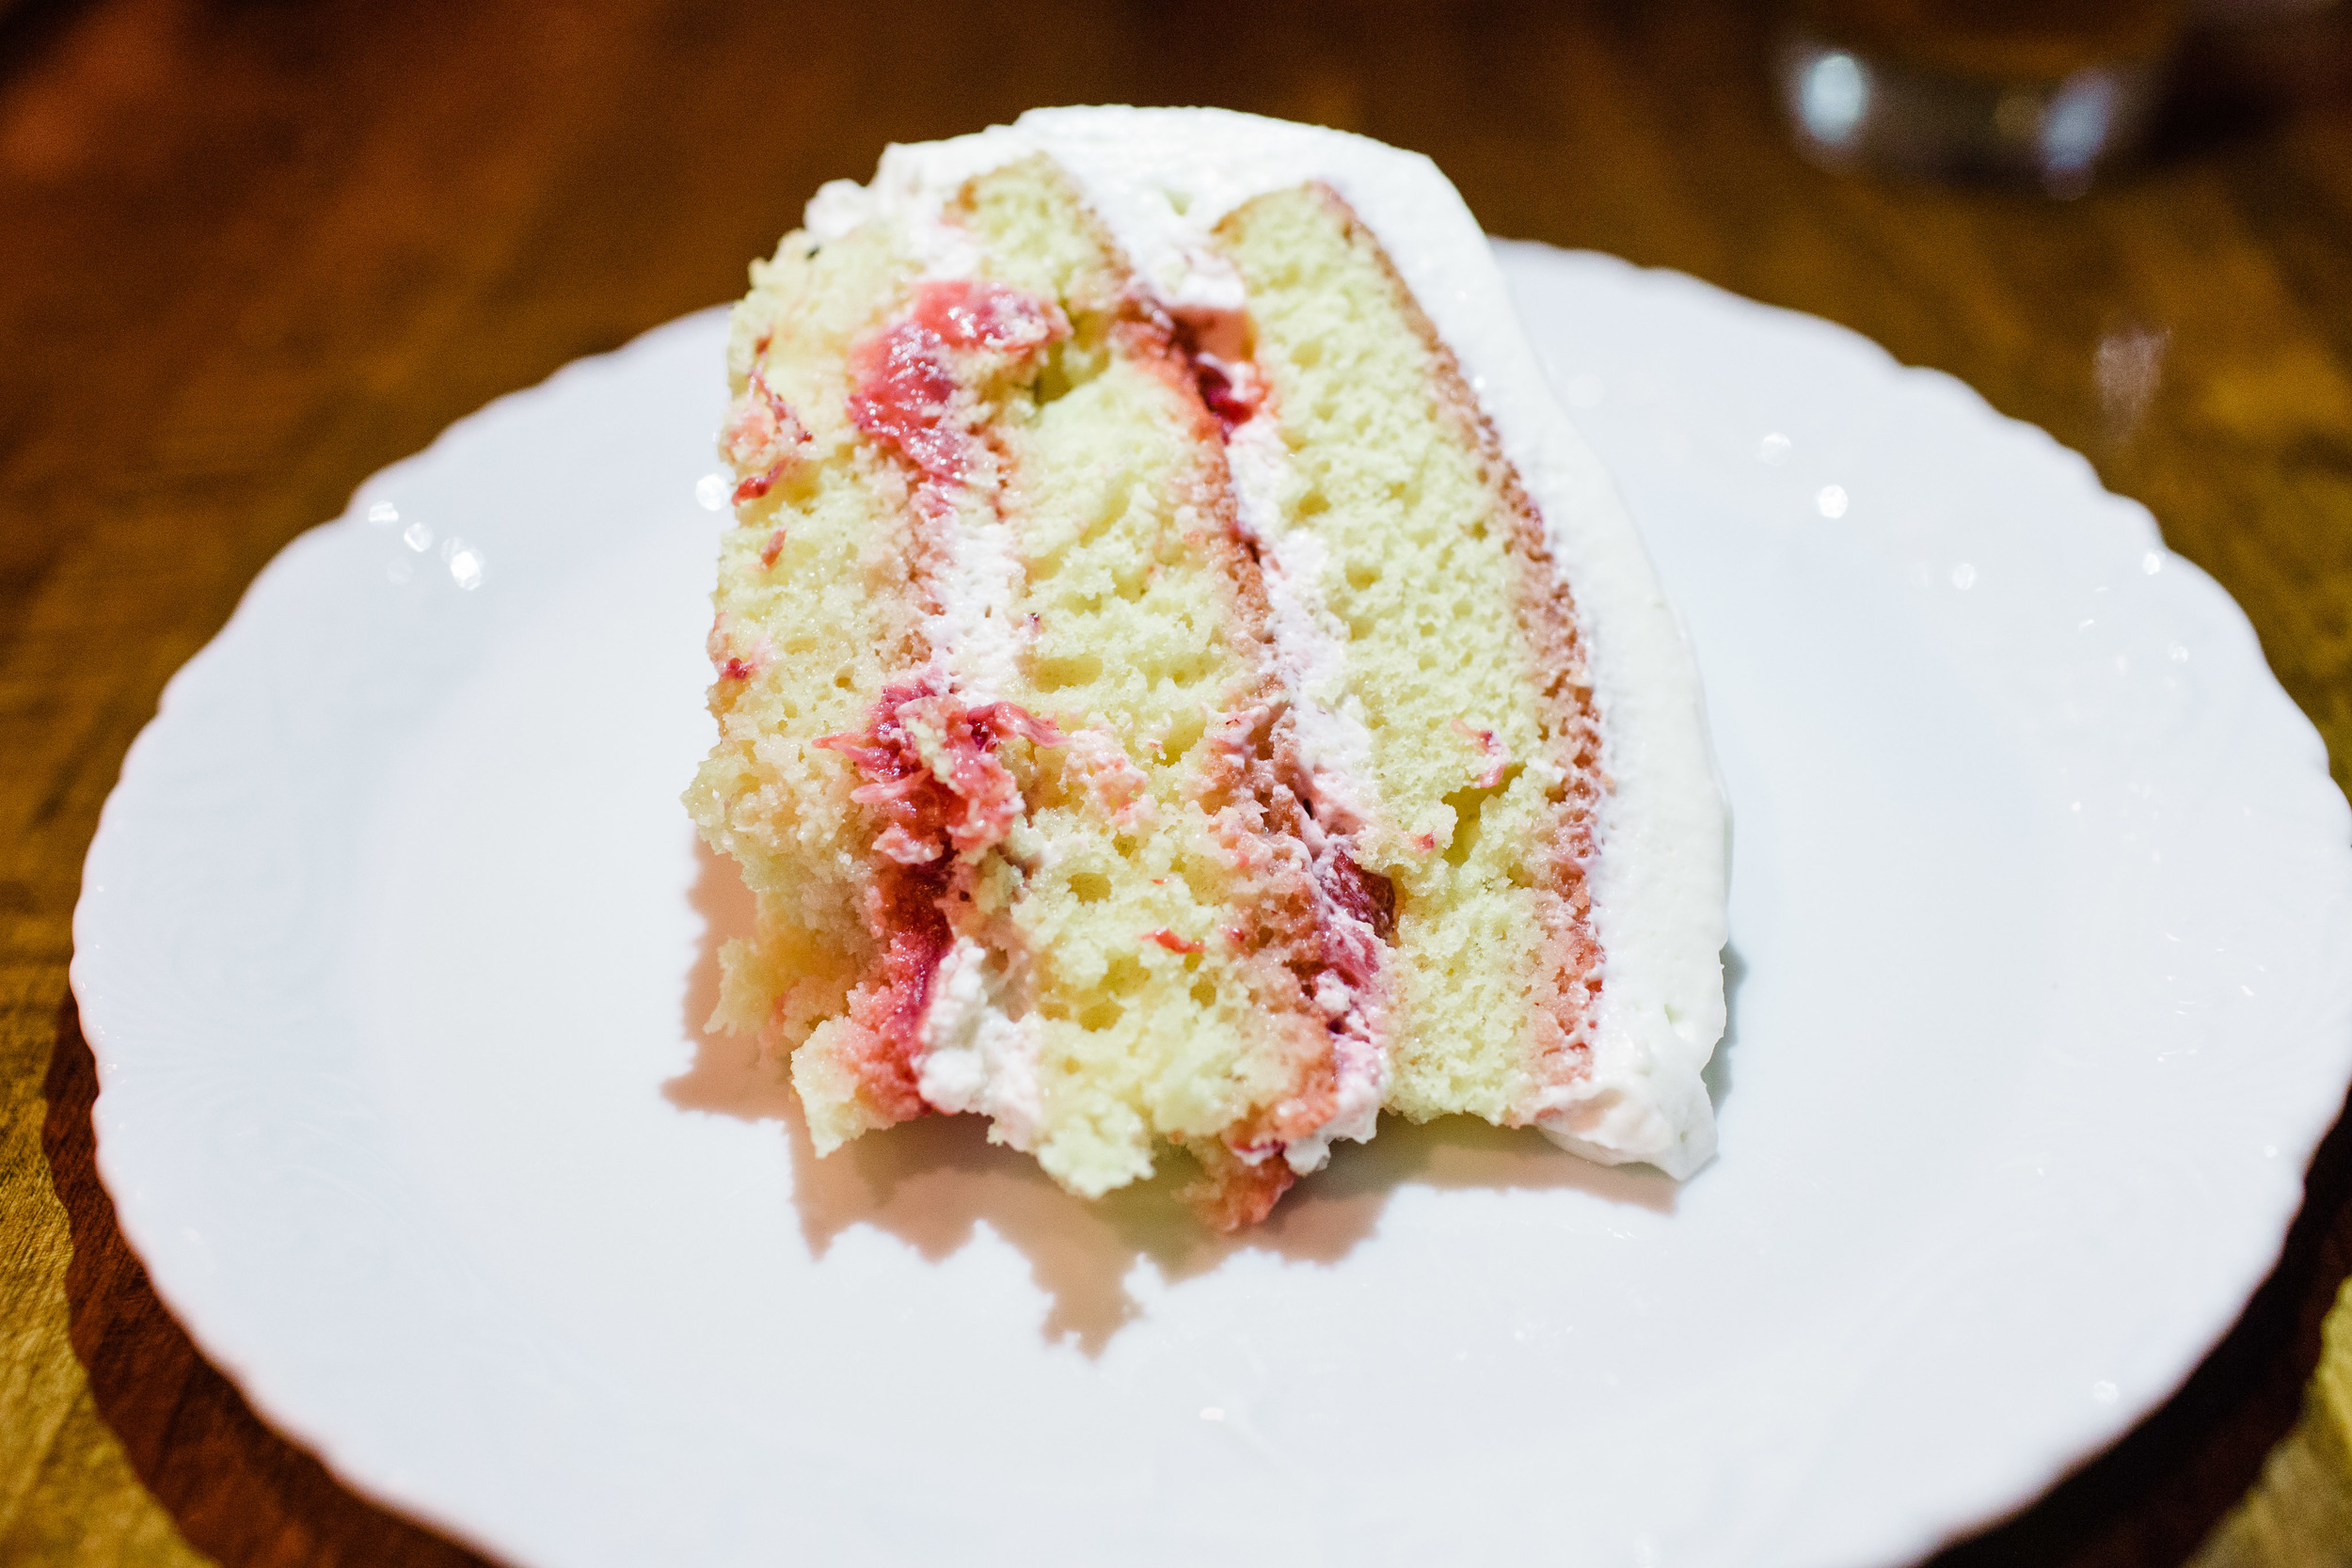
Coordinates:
[1161,179]
[1362,1082]
[1334,745]
[975,1056]
[972,632]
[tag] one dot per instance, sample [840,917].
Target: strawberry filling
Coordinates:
[761,440]
[1232,403]
[932,770]
[906,377]
[1355,915]
[885,1053]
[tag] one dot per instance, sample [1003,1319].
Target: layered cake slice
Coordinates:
[1181,683]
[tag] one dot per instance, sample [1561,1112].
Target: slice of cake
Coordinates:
[1182,684]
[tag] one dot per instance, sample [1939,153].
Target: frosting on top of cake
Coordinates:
[1161,180]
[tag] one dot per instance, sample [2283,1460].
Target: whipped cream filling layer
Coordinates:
[1352,994]
[1161,180]
[1334,745]
[970,634]
[976,1056]
[1335,756]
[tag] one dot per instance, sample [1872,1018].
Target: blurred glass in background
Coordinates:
[2042,92]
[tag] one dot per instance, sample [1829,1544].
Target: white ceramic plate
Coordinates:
[394,943]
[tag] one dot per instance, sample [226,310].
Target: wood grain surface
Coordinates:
[252,252]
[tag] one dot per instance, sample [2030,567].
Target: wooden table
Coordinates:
[249,254]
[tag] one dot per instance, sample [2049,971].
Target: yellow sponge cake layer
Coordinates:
[812,616]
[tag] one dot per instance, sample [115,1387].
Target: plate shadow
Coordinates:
[1716,1075]
[241,1494]
[935,1182]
